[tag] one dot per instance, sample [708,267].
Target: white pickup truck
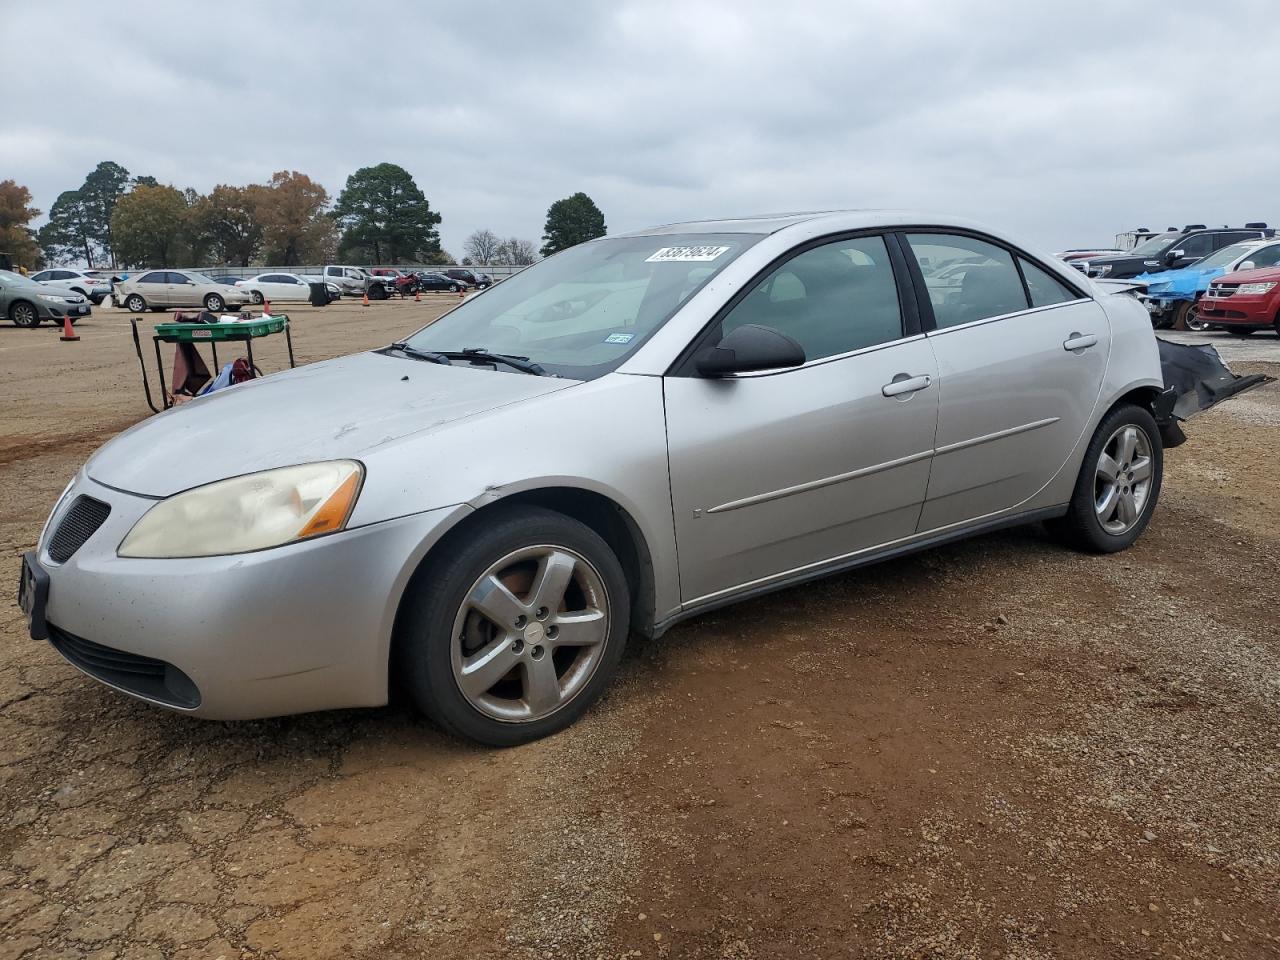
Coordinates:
[357,281]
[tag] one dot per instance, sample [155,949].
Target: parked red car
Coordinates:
[1243,302]
[406,283]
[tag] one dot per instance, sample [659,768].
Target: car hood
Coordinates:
[1257,275]
[342,408]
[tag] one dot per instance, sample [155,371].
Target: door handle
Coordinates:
[1080,341]
[904,383]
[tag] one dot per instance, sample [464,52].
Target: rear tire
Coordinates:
[25,315]
[258,298]
[455,628]
[134,303]
[1113,465]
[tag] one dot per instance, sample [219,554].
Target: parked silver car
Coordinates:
[167,289]
[624,435]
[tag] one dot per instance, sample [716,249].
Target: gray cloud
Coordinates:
[1063,123]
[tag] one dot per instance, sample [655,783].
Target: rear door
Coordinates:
[774,473]
[1021,356]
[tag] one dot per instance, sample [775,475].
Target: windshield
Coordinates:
[1226,255]
[582,312]
[1154,245]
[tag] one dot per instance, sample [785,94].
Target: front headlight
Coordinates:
[1103,269]
[1254,288]
[252,512]
[51,298]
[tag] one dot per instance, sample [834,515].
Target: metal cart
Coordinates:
[244,331]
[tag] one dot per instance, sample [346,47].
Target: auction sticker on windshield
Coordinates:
[685,254]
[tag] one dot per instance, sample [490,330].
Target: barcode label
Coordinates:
[685,254]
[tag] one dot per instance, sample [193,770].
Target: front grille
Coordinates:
[1220,291]
[78,524]
[144,676]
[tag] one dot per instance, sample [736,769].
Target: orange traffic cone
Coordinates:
[266,307]
[462,292]
[68,332]
[364,302]
[417,296]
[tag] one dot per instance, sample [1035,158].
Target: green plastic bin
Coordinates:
[204,332]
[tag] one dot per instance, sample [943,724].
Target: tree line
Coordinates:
[118,220]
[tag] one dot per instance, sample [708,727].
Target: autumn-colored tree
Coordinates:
[150,227]
[291,210]
[16,238]
[227,217]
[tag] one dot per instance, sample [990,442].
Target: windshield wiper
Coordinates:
[417,354]
[523,364]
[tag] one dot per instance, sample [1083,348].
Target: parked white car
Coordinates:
[276,287]
[87,285]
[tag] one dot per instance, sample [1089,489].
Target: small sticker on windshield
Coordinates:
[619,338]
[685,254]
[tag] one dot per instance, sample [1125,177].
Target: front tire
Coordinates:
[135,304]
[1187,316]
[1119,483]
[513,633]
[24,315]
[214,303]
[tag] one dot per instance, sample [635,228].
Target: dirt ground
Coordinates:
[995,749]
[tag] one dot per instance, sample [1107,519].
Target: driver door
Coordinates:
[776,472]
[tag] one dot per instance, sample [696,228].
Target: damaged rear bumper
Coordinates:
[1195,379]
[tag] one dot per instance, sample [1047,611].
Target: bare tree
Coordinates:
[516,253]
[481,247]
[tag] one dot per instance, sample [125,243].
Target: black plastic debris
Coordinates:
[1199,378]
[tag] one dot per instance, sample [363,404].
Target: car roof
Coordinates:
[838,220]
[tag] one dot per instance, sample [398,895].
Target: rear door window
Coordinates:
[1045,289]
[968,279]
[157,277]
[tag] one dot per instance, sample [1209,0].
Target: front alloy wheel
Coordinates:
[530,633]
[514,626]
[24,314]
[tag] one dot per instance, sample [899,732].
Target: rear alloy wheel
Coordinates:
[1118,485]
[134,303]
[24,315]
[513,635]
[258,298]
[214,303]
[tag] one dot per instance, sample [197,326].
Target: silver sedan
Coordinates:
[632,432]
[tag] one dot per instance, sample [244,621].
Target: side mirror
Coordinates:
[1173,256]
[749,348]
[1247,265]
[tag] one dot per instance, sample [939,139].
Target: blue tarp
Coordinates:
[1185,284]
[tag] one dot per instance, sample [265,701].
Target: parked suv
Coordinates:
[88,285]
[1172,250]
[1244,301]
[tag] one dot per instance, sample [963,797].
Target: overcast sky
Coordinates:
[1064,122]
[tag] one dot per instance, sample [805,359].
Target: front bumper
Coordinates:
[1239,310]
[56,311]
[292,629]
